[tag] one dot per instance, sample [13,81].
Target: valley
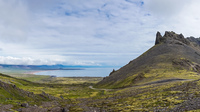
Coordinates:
[162,96]
[164,78]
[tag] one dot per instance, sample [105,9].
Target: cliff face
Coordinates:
[172,53]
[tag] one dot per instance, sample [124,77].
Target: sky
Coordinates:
[89,32]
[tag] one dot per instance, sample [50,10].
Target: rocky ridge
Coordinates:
[170,38]
[170,50]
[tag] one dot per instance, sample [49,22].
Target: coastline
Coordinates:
[89,72]
[37,71]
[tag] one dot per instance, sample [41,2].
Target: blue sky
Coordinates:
[89,32]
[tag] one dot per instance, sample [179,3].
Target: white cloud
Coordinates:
[166,8]
[108,31]
[180,16]
[14,21]
[40,6]
[23,61]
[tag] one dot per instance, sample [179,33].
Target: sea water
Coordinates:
[86,72]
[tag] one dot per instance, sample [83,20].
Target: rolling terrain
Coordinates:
[165,78]
[55,95]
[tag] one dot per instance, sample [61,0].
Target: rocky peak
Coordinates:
[158,38]
[171,37]
[170,34]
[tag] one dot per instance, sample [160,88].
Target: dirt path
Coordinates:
[91,87]
[154,82]
[166,80]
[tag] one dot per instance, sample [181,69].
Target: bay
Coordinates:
[86,72]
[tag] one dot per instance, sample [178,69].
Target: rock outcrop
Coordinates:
[171,37]
[159,38]
[194,41]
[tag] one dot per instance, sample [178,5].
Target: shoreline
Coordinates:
[93,72]
[34,72]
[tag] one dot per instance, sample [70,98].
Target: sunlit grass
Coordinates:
[134,98]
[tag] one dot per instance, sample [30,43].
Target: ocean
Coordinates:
[86,72]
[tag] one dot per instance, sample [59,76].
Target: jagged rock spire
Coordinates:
[170,37]
[158,37]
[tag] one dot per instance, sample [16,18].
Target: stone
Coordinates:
[65,110]
[56,109]
[112,72]
[24,105]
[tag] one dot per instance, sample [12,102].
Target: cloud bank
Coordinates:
[88,32]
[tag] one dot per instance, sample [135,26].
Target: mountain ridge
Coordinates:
[171,52]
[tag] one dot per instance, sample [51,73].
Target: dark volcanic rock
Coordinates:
[24,105]
[65,110]
[33,109]
[158,38]
[112,72]
[171,38]
[56,109]
[3,108]
[195,41]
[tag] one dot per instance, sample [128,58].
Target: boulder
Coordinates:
[24,105]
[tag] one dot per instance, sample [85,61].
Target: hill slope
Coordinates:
[173,56]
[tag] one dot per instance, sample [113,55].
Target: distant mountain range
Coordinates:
[41,67]
[48,67]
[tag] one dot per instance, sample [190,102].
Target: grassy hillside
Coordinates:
[166,95]
[172,57]
[11,92]
[15,92]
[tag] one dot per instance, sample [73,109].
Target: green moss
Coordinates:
[162,72]
[194,110]
[136,98]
